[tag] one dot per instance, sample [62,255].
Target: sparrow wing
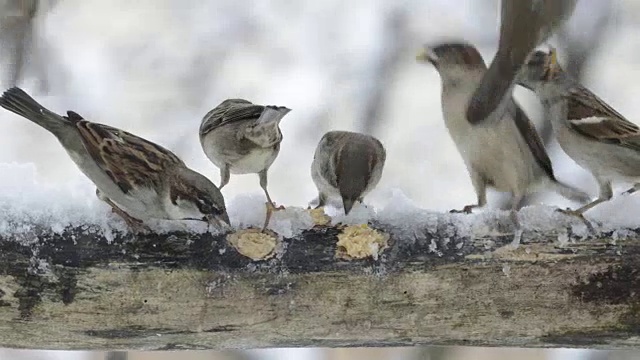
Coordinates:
[130,161]
[519,28]
[533,140]
[229,111]
[524,24]
[590,116]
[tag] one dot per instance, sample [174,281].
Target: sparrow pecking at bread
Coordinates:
[347,166]
[524,24]
[505,153]
[240,137]
[137,178]
[591,132]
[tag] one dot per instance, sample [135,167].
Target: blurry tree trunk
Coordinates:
[20,49]
[16,32]
[394,42]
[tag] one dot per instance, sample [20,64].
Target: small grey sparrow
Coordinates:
[524,24]
[590,131]
[137,178]
[347,165]
[243,138]
[505,153]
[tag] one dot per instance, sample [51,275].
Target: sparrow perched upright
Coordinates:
[590,131]
[347,165]
[524,24]
[505,153]
[240,137]
[137,178]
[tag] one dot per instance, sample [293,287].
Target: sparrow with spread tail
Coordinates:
[524,24]
[590,131]
[347,166]
[240,137]
[505,153]
[137,178]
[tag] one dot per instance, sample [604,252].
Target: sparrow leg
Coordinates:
[263,184]
[606,193]
[136,225]
[225,174]
[322,200]
[516,205]
[480,187]
[271,206]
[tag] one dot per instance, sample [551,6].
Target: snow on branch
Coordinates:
[72,277]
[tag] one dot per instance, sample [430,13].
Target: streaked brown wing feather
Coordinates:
[230,111]
[130,161]
[531,136]
[583,104]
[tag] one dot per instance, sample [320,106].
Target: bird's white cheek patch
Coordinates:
[182,210]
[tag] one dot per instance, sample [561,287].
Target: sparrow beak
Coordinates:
[221,221]
[552,63]
[427,55]
[347,204]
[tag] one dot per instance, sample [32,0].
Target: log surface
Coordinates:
[76,290]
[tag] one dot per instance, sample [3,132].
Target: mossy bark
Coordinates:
[185,291]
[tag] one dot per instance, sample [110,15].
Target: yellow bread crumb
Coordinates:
[319,217]
[254,244]
[361,241]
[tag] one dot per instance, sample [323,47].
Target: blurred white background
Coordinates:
[155,67]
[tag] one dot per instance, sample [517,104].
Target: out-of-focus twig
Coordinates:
[394,42]
[16,32]
[19,47]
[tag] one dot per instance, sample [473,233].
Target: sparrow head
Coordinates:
[265,131]
[355,160]
[452,56]
[193,197]
[539,68]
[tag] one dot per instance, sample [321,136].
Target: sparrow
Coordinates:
[240,137]
[592,133]
[505,153]
[347,165]
[137,178]
[524,25]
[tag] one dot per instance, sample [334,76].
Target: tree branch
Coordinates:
[437,283]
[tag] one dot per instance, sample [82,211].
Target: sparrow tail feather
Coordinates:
[569,192]
[271,115]
[19,102]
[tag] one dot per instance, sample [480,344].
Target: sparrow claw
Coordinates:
[271,208]
[579,215]
[135,225]
[468,209]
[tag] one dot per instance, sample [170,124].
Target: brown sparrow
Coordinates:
[348,166]
[240,137]
[524,25]
[137,178]
[591,132]
[505,153]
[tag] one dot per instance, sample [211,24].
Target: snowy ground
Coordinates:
[155,67]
